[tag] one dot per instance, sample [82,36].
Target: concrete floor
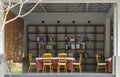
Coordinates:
[60,75]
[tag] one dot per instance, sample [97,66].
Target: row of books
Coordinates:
[77,39]
[75,46]
[48,46]
[45,39]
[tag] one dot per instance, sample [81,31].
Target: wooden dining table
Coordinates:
[69,63]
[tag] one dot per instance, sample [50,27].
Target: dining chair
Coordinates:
[47,54]
[31,64]
[47,61]
[62,61]
[78,64]
[99,64]
[10,64]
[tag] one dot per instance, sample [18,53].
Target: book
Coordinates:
[72,46]
[68,46]
[49,47]
[72,39]
[78,39]
[41,46]
[38,38]
[82,46]
[77,46]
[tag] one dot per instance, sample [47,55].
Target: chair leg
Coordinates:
[43,68]
[58,69]
[29,68]
[50,68]
[11,70]
[105,69]
[80,68]
[65,68]
[97,68]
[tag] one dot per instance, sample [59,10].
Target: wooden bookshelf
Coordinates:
[91,36]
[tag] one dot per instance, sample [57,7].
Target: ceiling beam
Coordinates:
[103,7]
[44,9]
[87,6]
[29,6]
[69,1]
[107,5]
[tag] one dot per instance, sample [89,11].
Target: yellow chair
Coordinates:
[47,55]
[99,65]
[62,61]
[47,61]
[10,64]
[78,65]
[62,55]
[31,64]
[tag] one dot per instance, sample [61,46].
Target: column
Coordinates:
[118,23]
[25,59]
[25,38]
[118,43]
[2,42]
[115,48]
[107,36]
[2,69]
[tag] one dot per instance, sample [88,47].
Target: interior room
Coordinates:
[74,29]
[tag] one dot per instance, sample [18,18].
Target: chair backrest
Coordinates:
[47,57]
[97,57]
[10,63]
[62,57]
[80,59]
[30,57]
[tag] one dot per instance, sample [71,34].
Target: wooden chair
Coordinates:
[47,55]
[47,61]
[31,64]
[10,64]
[62,61]
[78,65]
[99,64]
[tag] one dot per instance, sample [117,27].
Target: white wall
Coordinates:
[2,69]
[66,18]
[1,37]
[107,31]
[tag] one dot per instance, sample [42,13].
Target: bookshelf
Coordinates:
[72,39]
